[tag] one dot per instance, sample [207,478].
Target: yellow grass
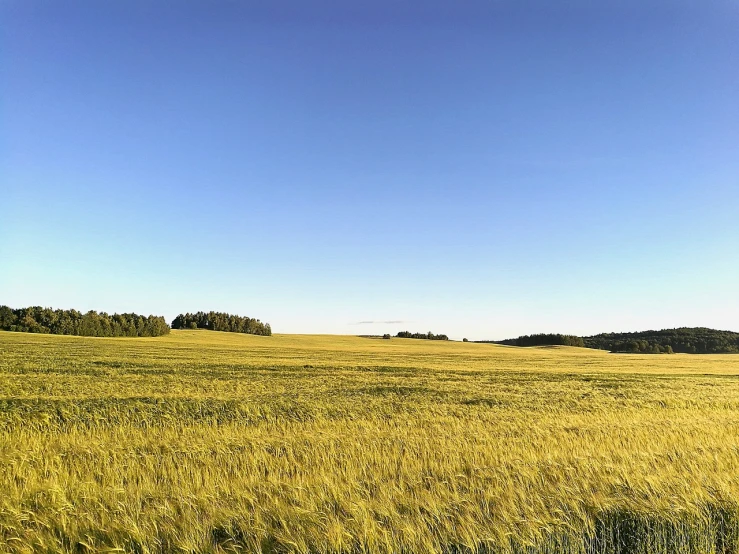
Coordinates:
[214,442]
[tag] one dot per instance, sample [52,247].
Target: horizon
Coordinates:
[483,171]
[394,333]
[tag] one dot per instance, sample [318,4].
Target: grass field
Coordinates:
[213,442]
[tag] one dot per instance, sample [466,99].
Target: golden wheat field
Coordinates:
[213,442]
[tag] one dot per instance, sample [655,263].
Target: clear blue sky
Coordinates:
[482,169]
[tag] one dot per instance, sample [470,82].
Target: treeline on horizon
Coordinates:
[686,340]
[428,336]
[543,339]
[36,319]
[219,321]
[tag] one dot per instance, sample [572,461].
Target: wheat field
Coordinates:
[213,442]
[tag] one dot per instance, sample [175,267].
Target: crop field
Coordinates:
[215,442]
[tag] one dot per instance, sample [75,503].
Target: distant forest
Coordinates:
[71,322]
[688,340]
[429,336]
[218,321]
[543,339]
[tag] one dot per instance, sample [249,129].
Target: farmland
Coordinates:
[202,441]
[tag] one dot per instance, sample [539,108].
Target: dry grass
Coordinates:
[212,442]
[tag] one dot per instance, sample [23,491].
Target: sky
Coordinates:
[480,169]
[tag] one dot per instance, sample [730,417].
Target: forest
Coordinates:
[543,339]
[429,336]
[219,321]
[688,340]
[36,319]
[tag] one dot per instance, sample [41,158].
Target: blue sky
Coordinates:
[481,169]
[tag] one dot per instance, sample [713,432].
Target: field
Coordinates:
[212,442]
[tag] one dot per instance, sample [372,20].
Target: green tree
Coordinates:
[7,317]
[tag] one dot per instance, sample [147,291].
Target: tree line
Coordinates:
[219,321]
[543,339]
[36,319]
[639,347]
[429,336]
[688,340]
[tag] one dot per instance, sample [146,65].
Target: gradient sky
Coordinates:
[481,169]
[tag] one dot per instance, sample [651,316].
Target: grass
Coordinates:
[214,442]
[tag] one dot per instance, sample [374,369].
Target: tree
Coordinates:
[72,322]
[691,340]
[429,336]
[218,321]
[7,317]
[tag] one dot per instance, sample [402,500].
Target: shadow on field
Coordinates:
[146,412]
[623,532]
[617,531]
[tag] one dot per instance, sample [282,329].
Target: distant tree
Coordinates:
[7,317]
[544,339]
[689,340]
[219,321]
[429,336]
[386,336]
[72,322]
[465,340]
